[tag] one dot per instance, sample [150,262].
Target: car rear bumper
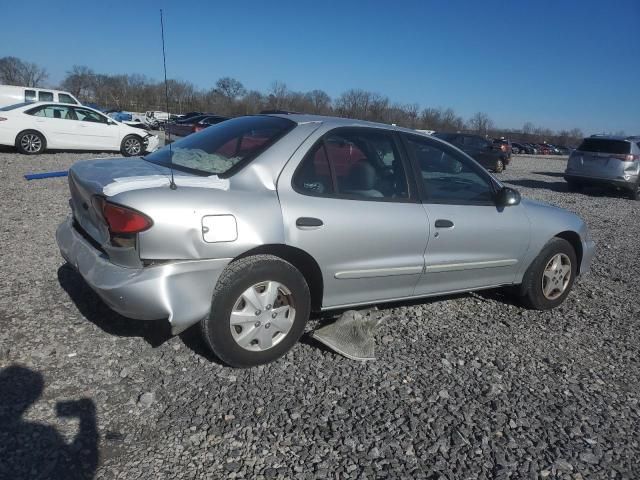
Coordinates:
[180,291]
[619,182]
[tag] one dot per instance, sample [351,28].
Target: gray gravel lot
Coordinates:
[463,388]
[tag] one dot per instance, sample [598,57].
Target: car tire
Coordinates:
[131,146]
[574,186]
[31,142]
[547,282]
[499,167]
[248,337]
[634,193]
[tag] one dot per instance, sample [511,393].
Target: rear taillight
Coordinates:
[627,158]
[198,128]
[124,220]
[503,147]
[2,119]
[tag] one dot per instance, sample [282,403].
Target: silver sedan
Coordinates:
[250,225]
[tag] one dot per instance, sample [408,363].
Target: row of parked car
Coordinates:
[539,149]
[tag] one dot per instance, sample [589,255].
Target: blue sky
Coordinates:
[559,64]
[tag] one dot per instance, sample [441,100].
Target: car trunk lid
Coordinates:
[88,179]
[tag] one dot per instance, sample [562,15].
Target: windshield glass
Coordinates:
[216,150]
[13,107]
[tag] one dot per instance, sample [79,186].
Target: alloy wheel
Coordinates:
[31,143]
[556,276]
[262,316]
[132,146]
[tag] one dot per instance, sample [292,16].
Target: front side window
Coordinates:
[223,148]
[448,177]
[45,96]
[53,111]
[30,96]
[359,163]
[64,98]
[85,115]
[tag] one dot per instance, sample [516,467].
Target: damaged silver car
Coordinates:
[250,225]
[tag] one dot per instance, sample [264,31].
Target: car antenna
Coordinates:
[172,184]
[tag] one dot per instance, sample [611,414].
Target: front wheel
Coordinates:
[131,146]
[550,277]
[259,309]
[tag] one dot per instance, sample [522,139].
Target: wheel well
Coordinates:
[300,259]
[574,239]
[31,130]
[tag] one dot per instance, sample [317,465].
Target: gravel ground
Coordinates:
[463,388]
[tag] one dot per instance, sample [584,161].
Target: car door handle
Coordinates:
[444,223]
[303,222]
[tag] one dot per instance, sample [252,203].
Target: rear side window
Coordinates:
[362,164]
[45,96]
[220,148]
[64,98]
[314,175]
[30,96]
[605,145]
[53,111]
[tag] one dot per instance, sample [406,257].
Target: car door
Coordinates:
[95,131]
[473,243]
[347,201]
[57,124]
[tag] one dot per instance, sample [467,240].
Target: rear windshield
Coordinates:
[447,137]
[220,148]
[12,107]
[605,145]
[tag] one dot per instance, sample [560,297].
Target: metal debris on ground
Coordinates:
[352,334]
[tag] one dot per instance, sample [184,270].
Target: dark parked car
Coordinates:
[486,153]
[194,124]
[521,148]
[505,146]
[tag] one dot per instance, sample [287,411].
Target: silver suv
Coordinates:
[270,217]
[606,160]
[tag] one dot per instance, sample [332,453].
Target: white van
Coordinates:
[10,95]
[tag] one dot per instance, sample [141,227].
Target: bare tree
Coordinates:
[480,123]
[14,71]
[278,95]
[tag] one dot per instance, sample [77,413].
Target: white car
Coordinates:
[34,127]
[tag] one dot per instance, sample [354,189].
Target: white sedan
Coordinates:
[34,127]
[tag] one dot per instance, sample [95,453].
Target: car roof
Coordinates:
[615,137]
[37,104]
[301,118]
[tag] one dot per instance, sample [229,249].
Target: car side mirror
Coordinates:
[507,197]
[111,122]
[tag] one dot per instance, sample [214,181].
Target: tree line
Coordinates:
[229,97]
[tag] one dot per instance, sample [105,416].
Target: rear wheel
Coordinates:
[258,311]
[30,143]
[131,146]
[550,277]
[499,166]
[634,193]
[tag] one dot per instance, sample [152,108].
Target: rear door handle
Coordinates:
[444,223]
[303,222]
